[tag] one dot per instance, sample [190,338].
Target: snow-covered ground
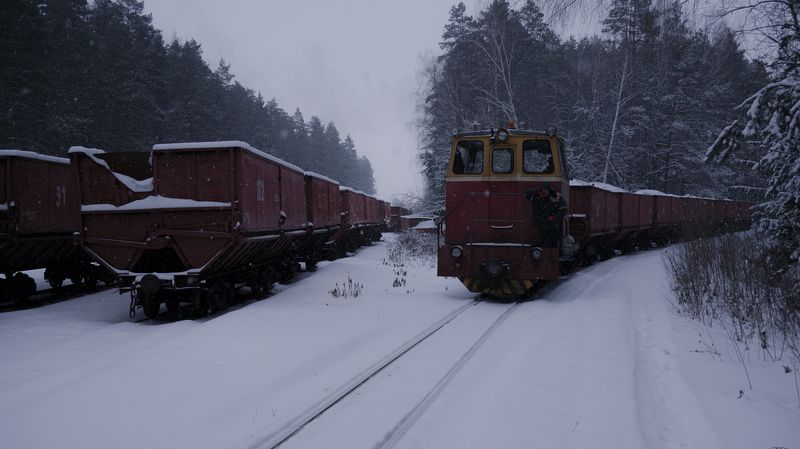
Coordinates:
[599,360]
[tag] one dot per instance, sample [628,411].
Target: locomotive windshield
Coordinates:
[502,160]
[468,158]
[537,157]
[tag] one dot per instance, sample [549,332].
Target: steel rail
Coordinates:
[396,434]
[286,432]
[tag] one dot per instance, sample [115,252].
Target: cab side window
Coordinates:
[502,160]
[468,158]
[563,156]
[537,157]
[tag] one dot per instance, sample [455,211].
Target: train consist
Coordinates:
[37,224]
[513,218]
[189,223]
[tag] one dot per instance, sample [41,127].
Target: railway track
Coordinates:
[295,426]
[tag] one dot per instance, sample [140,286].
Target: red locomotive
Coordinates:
[502,227]
[209,217]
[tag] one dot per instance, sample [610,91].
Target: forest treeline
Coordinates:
[637,105]
[99,74]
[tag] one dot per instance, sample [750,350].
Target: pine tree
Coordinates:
[772,120]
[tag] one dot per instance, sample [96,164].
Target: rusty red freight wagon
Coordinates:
[213,216]
[362,222]
[594,215]
[387,213]
[38,217]
[324,214]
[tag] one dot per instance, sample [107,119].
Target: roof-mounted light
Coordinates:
[502,135]
[552,131]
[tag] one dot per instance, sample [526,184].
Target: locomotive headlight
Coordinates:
[456,252]
[537,253]
[502,135]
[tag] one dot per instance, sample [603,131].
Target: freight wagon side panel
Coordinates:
[612,213]
[335,206]
[201,175]
[663,210]
[369,209]
[371,205]
[315,209]
[293,198]
[259,193]
[597,205]
[679,209]
[105,230]
[629,210]
[344,199]
[322,202]
[646,210]
[354,202]
[579,207]
[360,206]
[394,217]
[40,196]
[97,183]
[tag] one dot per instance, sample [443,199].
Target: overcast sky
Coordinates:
[353,62]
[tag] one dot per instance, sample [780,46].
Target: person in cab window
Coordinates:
[475,164]
[458,162]
[468,160]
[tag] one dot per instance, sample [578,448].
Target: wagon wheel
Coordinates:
[90,282]
[267,279]
[151,305]
[311,265]
[75,278]
[219,296]
[55,282]
[54,276]
[24,285]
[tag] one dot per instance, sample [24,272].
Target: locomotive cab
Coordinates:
[505,212]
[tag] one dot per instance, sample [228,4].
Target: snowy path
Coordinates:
[562,372]
[598,361]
